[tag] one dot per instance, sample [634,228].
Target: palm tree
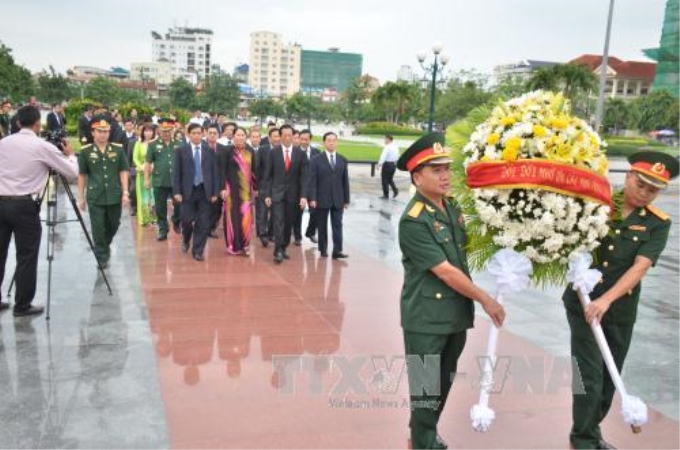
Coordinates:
[576,79]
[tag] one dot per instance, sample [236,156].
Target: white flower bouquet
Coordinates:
[531,177]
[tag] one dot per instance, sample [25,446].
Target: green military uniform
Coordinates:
[104,192]
[435,318]
[643,233]
[162,157]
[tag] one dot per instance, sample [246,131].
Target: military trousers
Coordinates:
[161,195]
[592,386]
[105,220]
[432,364]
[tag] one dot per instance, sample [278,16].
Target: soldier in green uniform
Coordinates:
[103,167]
[437,295]
[638,234]
[161,154]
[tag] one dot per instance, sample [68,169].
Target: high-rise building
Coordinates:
[274,67]
[668,72]
[160,72]
[521,70]
[189,51]
[332,69]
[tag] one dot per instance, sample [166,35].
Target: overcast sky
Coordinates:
[389,33]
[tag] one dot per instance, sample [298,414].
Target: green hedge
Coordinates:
[387,128]
[623,146]
[73,111]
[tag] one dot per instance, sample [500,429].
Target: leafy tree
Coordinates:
[182,94]
[459,98]
[546,78]
[658,110]
[221,93]
[510,87]
[54,87]
[16,81]
[263,107]
[300,106]
[576,79]
[617,114]
[394,99]
[358,93]
[103,90]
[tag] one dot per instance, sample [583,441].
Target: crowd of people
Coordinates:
[219,175]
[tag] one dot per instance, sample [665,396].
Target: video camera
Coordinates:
[56,138]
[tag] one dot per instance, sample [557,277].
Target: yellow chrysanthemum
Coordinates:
[511,151]
[539,131]
[509,120]
[560,123]
[493,139]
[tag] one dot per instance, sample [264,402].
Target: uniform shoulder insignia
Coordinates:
[416,209]
[657,212]
[86,146]
[116,144]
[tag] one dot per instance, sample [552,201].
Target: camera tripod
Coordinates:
[50,193]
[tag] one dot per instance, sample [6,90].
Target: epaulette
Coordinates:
[416,209]
[658,213]
[116,144]
[85,147]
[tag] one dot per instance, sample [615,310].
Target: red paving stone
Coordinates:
[219,325]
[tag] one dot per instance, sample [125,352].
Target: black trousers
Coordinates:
[216,213]
[263,219]
[297,225]
[336,226]
[132,185]
[196,219]
[283,215]
[21,218]
[387,178]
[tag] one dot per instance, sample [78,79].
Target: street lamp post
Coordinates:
[437,65]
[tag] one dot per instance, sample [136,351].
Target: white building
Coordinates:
[274,67]
[159,71]
[405,73]
[521,70]
[189,51]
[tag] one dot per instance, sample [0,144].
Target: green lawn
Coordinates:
[622,146]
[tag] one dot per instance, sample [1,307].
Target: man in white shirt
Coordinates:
[388,165]
[25,162]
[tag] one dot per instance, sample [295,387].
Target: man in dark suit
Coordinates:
[263,217]
[84,130]
[328,192]
[211,137]
[310,152]
[55,119]
[129,139]
[285,188]
[195,186]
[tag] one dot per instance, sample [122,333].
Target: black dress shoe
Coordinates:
[162,237]
[285,255]
[198,257]
[32,311]
[185,246]
[324,255]
[340,255]
[604,445]
[278,258]
[313,239]
[213,234]
[384,197]
[396,192]
[176,228]
[265,242]
[4,306]
[298,242]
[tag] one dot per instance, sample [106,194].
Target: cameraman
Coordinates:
[25,163]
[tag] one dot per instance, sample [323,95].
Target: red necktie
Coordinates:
[287,160]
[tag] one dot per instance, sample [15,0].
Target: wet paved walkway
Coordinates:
[237,352]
